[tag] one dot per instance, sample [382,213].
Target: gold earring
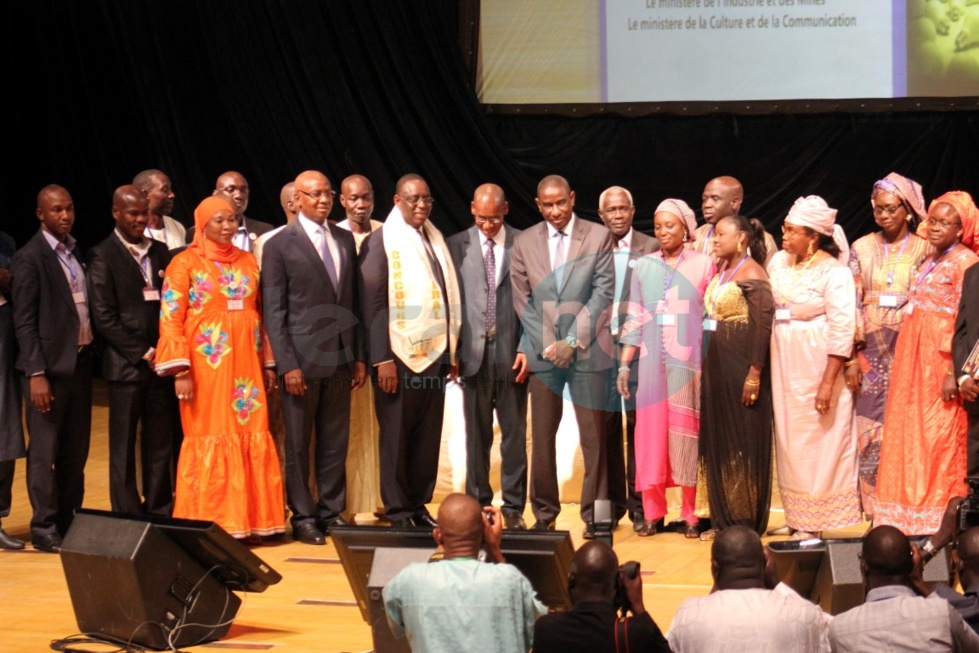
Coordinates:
[739,247]
[809,250]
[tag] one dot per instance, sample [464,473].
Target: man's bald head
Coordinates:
[489,192]
[460,520]
[595,570]
[553,181]
[737,558]
[886,554]
[126,194]
[287,202]
[722,197]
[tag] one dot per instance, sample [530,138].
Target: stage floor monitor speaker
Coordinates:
[130,582]
[387,563]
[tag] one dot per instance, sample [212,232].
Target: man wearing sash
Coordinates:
[409,303]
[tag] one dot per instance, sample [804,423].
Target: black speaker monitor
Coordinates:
[130,582]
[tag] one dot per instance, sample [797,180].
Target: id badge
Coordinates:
[151,295]
[666,319]
[78,297]
[710,325]
[887,300]
[236,304]
[783,314]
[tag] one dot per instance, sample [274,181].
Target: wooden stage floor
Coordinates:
[312,608]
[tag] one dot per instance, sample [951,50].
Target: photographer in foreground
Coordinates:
[748,609]
[965,560]
[600,590]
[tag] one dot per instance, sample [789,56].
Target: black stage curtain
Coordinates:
[101,89]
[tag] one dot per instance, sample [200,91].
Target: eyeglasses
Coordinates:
[788,230]
[416,200]
[353,199]
[931,222]
[493,220]
[316,196]
[888,210]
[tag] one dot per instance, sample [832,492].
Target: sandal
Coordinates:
[708,535]
[648,529]
[691,532]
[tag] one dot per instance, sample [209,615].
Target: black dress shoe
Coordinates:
[307,533]
[544,525]
[424,520]
[326,524]
[402,524]
[589,532]
[7,541]
[47,543]
[513,521]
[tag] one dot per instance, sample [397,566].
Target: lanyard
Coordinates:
[710,231]
[931,266]
[144,266]
[68,261]
[723,278]
[887,257]
[668,281]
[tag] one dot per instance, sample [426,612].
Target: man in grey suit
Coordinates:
[493,374]
[309,287]
[617,211]
[563,281]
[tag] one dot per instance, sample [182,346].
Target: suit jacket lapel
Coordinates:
[575,240]
[507,246]
[341,262]
[56,270]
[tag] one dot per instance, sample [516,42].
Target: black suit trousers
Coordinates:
[410,422]
[323,413]
[589,393]
[58,449]
[493,389]
[151,405]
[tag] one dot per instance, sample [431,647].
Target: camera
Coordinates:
[969,510]
[628,571]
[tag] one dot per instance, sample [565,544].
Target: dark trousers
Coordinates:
[58,449]
[410,423]
[622,465]
[322,414]
[6,486]
[151,405]
[493,388]
[589,392]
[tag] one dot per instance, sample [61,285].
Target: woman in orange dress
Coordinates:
[923,448]
[211,339]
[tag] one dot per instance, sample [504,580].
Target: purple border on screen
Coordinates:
[602,51]
[899,48]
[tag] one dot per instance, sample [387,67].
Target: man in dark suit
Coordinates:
[617,211]
[235,187]
[965,339]
[125,276]
[309,286]
[11,417]
[54,337]
[563,279]
[493,373]
[409,296]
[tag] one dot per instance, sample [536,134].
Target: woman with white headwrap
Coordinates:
[923,449]
[815,322]
[665,323]
[883,265]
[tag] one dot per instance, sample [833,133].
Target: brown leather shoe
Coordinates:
[514,521]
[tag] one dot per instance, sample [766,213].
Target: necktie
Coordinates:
[244,242]
[489,262]
[559,258]
[327,256]
[436,268]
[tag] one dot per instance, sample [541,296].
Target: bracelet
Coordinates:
[750,382]
[852,361]
[182,373]
[625,368]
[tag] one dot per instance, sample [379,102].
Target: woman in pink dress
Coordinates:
[665,324]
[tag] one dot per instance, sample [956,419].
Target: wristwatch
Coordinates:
[571,340]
